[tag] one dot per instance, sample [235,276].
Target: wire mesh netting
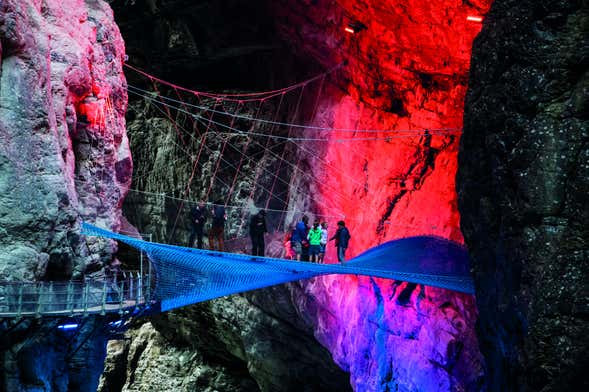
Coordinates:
[186,276]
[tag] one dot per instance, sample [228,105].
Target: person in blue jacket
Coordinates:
[342,238]
[299,236]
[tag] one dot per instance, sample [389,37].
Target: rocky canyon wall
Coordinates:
[522,186]
[523,181]
[409,77]
[406,71]
[65,154]
[64,158]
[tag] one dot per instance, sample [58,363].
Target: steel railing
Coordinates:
[90,296]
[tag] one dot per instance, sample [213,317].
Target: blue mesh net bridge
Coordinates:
[185,276]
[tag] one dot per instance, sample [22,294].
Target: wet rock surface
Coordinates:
[523,185]
[523,181]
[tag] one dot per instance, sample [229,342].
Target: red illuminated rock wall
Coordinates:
[406,71]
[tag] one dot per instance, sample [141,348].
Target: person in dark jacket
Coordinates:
[198,218]
[257,230]
[342,238]
[299,236]
[217,233]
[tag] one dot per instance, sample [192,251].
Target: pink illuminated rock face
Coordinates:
[65,155]
[406,71]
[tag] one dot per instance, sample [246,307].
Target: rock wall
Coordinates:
[37,356]
[242,343]
[406,71]
[65,155]
[523,181]
[64,158]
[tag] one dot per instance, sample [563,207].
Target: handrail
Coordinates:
[70,298]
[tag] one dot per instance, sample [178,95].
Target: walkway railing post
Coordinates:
[131,292]
[19,309]
[70,297]
[138,288]
[85,297]
[50,295]
[148,287]
[149,276]
[122,297]
[141,262]
[39,300]
[102,310]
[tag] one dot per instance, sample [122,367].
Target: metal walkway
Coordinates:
[118,294]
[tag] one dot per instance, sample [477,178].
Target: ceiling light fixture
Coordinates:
[354,27]
[474,18]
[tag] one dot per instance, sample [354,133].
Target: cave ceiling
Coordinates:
[400,45]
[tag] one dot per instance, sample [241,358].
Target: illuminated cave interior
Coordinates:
[391,128]
[404,66]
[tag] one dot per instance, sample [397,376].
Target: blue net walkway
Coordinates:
[185,276]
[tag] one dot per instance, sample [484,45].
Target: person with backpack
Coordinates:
[299,235]
[342,238]
[217,233]
[314,238]
[198,217]
[257,230]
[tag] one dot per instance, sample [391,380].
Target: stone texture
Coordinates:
[65,155]
[64,158]
[36,356]
[523,181]
[150,362]
[406,71]
[233,344]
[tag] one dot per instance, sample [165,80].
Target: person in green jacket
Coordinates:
[314,238]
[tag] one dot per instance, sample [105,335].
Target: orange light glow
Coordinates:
[349,30]
[472,18]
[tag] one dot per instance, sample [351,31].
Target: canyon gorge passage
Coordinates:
[86,138]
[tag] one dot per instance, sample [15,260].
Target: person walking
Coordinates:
[257,230]
[289,253]
[299,235]
[314,238]
[198,218]
[342,238]
[323,243]
[217,233]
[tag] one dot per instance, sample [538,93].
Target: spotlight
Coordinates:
[474,18]
[68,327]
[354,27]
[115,324]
